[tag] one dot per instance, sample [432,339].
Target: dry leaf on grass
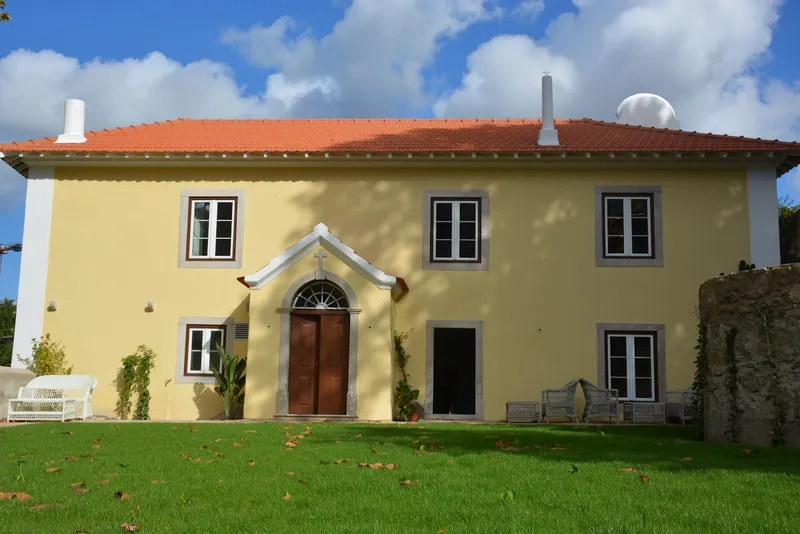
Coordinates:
[644,478]
[558,449]
[408,483]
[70,459]
[390,467]
[251,431]
[217,440]
[114,475]
[303,481]
[198,460]
[337,441]
[342,461]
[451,462]
[52,470]
[290,474]
[357,436]
[442,531]
[185,456]
[628,470]
[237,444]
[68,433]
[122,496]
[156,481]
[307,431]
[37,507]
[291,444]
[97,446]
[18,495]
[135,511]
[77,484]
[103,482]
[174,428]
[89,457]
[287,497]
[748,451]
[251,463]
[81,489]
[129,527]
[687,459]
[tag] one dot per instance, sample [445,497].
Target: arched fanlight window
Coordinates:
[320,295]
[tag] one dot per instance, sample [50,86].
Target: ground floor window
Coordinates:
[631,364]
[202,354]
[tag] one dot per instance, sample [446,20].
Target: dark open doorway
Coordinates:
[454,384]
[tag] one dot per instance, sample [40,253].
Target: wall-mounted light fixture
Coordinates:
[151,306]
[52,305]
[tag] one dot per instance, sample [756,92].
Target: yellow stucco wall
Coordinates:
[114,242]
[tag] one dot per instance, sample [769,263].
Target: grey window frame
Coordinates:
[656,259]
[482,262]
[657,330]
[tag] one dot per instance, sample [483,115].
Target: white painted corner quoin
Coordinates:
[320,236]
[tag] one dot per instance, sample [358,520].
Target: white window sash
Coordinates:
[212,229]
[627,228]
[630,357]
[205,363]
[455,231]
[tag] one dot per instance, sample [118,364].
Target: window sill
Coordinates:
[629,262]
[195,379]
[456,266]
[209,264]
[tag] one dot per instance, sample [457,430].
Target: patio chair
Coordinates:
[599,402]
[560,402]
[680,404]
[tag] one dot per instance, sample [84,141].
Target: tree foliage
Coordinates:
[8,314]
[47,358]
[789,229]
[4,16]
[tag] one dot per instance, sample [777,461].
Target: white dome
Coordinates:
[645,109]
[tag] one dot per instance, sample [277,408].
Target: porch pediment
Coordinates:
[320,236]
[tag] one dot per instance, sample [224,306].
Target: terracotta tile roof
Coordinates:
[396,135]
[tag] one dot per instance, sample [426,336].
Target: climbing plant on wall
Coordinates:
[134,377]
[699,385]
[778,406]
[733,385]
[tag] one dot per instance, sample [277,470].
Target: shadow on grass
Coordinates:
[667,448]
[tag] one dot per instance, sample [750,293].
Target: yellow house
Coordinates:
[518,254]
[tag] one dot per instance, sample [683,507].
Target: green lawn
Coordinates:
[194,478]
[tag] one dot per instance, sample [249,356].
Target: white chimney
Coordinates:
[548,135]
[74,117]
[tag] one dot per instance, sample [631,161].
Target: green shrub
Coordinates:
[47,358]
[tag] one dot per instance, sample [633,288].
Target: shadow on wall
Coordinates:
[209,405]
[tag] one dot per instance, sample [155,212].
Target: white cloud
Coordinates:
[701,55]
[528,9]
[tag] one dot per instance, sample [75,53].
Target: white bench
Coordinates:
[53,398]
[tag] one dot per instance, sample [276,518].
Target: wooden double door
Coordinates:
[319,357]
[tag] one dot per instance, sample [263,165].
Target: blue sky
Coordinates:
[727,67]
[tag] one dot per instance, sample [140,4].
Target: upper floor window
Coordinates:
[212,228]
[455,230]
[628,229]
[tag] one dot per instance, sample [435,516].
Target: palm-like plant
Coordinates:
[230,381]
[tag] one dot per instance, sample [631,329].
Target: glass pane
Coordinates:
[618,346]
[196,360]
[225,211]
[643,388]
[469,230]
[615,207]
[640,245]
[444,211]
[621,385]
[199,247]
[202,211]
[196,342]
[467,249]
[619,367]
[469,211]
[641,346]
[216,339]
[213,361]
[616,245]
[200,229]
[640,227]
[639,207]
[444,230]
[615,226]
[223,248]
[442,249]
[643,367]
[225,229]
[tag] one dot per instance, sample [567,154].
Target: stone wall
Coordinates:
[752,321]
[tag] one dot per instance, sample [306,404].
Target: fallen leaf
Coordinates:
[686,459]
[174,428]
[291,444]
[18,495]
[198,460]
[70,459]
[135,511]
[499,460]
[185,456]
[628,470]
[129,527]
[103,482]
[77,484]
[97,446]
[89,456]
[441,531]
[516,449]
[659,444]
[209,461]
[251,463]
[37,507]
[114,475]
[644,478]
[376,466]
[337,441]
[217,440]
[363,464]
[68,433]
[290,474]
[558,449]
[748,451]
[287,497]
[303,482]
[251,431]
[237,444]
[391,467]
[156,481]
[219,454]
[451,462]
[357,436]
[81,490]
[122,496]
[307,432]
[342,461]
[52,470]
[405,483]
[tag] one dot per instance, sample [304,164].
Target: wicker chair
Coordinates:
[560,402]
[680,404]
[599,402]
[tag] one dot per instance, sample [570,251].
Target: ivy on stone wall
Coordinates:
[699,385]
[778,406]
[733,384]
